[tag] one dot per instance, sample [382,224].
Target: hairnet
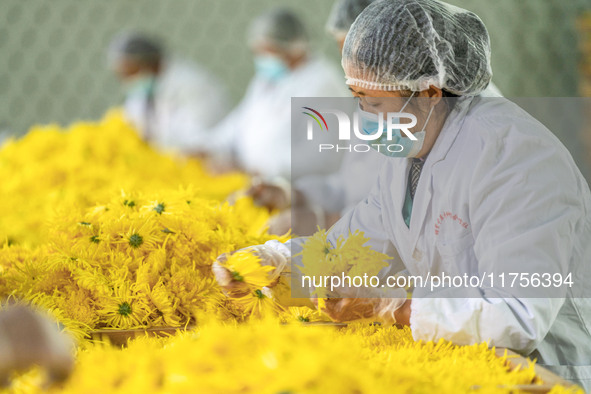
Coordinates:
[280,28]
[412,44]
[343,14]
[138,47]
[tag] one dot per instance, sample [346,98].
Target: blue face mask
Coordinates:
[140,86]
[270,67]
[398,146]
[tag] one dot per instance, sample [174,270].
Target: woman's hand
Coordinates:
[386,310]
[349,309]
[273,253]
[232,287]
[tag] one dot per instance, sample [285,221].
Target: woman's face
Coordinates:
[376,101]
[381,101]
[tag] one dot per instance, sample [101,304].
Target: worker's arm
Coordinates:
[366,217]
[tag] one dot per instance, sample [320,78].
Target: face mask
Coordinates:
[398,146]
[270,67]
[140,86]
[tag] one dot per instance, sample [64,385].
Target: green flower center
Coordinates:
[136,240]
[236,276]
[124,309]
[326,250]
[259,294]
[303,319]
[95,239]
[129,203]
[159,208]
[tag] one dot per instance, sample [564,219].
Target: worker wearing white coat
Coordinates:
[337,193]
[165,97]
[257,134]
[484,189]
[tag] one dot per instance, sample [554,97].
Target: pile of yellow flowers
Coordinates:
[104,232]
[73,242]
[137,261]
[53,168]
[265,357]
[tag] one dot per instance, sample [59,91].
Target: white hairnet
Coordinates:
[343,14]
[280,28]
[412,44]
[136,46]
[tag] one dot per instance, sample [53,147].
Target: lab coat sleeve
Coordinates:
[366,216]
[190,121]
[523,209]
[223,135]
[325,191]
[189,124]
[189,101]
[134,109]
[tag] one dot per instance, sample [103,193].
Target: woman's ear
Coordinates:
[435,94]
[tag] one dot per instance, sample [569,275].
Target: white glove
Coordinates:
[272,253]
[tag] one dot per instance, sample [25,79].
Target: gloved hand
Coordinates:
[378,309]
[28,338]
[272,253]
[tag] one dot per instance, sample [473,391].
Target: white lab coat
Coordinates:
[258,131]
[188,102]
[525,205]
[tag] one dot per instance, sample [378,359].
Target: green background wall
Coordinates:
[53,66]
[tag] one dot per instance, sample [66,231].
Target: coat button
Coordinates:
[417,254]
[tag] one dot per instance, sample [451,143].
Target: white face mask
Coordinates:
[398,146]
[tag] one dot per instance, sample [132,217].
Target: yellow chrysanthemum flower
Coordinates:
[124,309]
[246,267]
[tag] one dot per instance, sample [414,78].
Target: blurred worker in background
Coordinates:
[330,194]
[172,103]
[256,136]
[341,17]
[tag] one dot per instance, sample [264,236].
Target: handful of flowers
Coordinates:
[345,280]
[247,282]
[335,270]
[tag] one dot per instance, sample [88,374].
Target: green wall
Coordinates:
[53,66]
